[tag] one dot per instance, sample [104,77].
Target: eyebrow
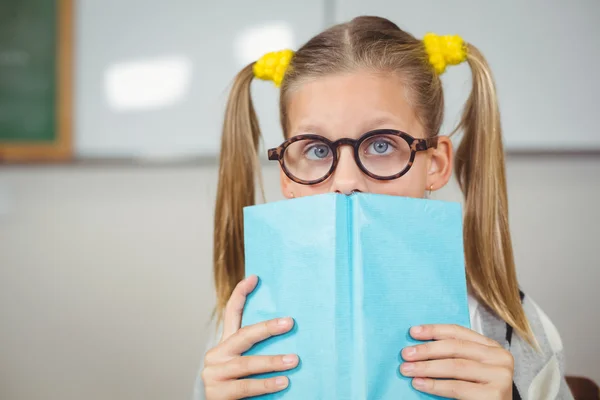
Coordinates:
[308,128]
[381,120]
[372,124]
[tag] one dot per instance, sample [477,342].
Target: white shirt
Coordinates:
[475,315]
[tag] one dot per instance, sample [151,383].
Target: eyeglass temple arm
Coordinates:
[424,144]
[273,154]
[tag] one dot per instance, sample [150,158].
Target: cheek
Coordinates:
[412,184]
[310,190]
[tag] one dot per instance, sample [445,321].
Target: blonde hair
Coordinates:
[379,45]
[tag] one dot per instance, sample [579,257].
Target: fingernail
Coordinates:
[419,383]
[410,351]
[289,359]
[407,367]
[281,381]
[417,329]
[283,321]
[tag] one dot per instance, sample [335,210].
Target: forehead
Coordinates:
[348,105]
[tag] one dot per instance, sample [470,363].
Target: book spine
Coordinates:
[343,305]
[359,375]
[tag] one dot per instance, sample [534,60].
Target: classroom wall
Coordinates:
[105,275]
[105,267]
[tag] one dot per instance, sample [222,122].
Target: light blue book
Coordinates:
[355,272]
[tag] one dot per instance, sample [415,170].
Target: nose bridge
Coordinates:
[345,142]
[347,177]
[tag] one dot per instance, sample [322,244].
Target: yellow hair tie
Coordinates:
[272,66]
[444,50]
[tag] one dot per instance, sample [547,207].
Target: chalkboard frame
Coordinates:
[61,149]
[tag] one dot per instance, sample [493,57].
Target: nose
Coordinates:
[347,177]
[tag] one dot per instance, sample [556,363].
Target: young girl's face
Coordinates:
[349,105]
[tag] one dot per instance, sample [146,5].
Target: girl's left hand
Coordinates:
[469,365]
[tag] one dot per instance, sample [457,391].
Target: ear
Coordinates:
[286,184]
[440,164]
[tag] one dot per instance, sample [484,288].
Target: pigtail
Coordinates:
[239,170]
[481,175]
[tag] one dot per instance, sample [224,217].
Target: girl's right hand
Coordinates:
[224,365]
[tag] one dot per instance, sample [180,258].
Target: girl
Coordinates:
[369,81]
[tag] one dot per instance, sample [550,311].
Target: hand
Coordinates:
[471,366]
[224,365]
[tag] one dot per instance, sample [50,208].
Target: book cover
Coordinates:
[355,272]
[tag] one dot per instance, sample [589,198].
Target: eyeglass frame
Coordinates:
[416,145]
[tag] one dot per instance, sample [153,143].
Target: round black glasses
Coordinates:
[382,154]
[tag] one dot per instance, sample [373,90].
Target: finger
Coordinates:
[248,336]
[241,367]
[235,306]
[451,389]
[439,332]
[242,388]
[458,348]
[456,368]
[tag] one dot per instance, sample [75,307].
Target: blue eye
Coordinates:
[317,152]
[379,147]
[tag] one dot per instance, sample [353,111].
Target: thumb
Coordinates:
[235,306]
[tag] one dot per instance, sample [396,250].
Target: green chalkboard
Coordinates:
[36,69]
[28,70]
